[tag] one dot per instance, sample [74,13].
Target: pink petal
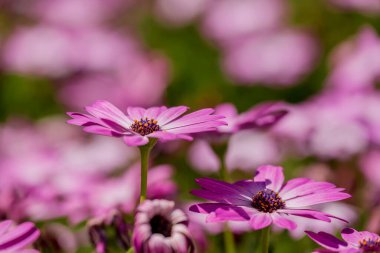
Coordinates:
[307,188]
[221,212]
[4,226]
[163,135]
[317,198]
[171,114]
[20,237]
[105,110]
[153,112]
[292,184]
[273,175]
[306,213]
[260,220]
[95,129]
[352,236]
[283,222]
[136,140]
[136,113]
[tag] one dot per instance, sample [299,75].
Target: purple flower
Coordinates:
[265,199]
[354,241]
[161,228]
[139,124]
[17,238]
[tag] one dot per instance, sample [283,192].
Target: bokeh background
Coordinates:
[320,59]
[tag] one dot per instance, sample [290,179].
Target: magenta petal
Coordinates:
[135,140]
[221,212]
[307,188]
[222,198]
[292,184]
[223,188]
[283,222]
[260,220]
[327,241]
[250,187]
[272,175]
[4,226]
[102,131]
[352,236]
[163,135]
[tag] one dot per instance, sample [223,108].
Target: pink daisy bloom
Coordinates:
[17,238]
[266,199]
[354,241]
[139,124]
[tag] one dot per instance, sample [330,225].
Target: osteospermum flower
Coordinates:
[354,241]
[139,124]
[265,199]
[17,238]
[159,227]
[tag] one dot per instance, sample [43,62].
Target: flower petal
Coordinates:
[283,222]
[352,236]
[260,220]
[20,237]
[135,140]
[221,212]
[135,113]
[327,241]
[316,198]
[171,114]
[272,175]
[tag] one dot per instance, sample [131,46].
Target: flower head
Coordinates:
[265,199]
[139,124]
[161,228]
[17,238]
[354,241]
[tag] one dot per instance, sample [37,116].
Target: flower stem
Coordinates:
[265,234]
[229,240]
[130,250]
[144,153]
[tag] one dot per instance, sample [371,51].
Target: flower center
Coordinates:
[160,225]
[145,126]
[267,201]
[370,245]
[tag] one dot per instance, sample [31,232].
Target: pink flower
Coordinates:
[228,20]
[354,241]
[139,124]
[265,200]
[356,62]
[17,238]
[280,58]
[159,227]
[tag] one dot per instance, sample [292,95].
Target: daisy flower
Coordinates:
[159,227]
[353,241]
[138,125]
[17,238]
[265,199]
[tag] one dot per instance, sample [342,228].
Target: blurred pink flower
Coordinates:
[249,149]
[228,20]
[356,62]
[75,13]
[26,50]
[370,166]
[280,58]
[179,12]
[368,6]
[138,80]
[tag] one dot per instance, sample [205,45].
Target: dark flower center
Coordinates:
[267,201]
[145,126]
[370,245]
[160,225]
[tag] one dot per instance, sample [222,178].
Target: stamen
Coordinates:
[370,245]
[267,201]
[161,225]
[145,126]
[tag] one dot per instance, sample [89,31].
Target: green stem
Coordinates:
[265,234]
[229,240]
[130,250]
[144,153]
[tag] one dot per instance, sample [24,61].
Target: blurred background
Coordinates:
[320,59]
